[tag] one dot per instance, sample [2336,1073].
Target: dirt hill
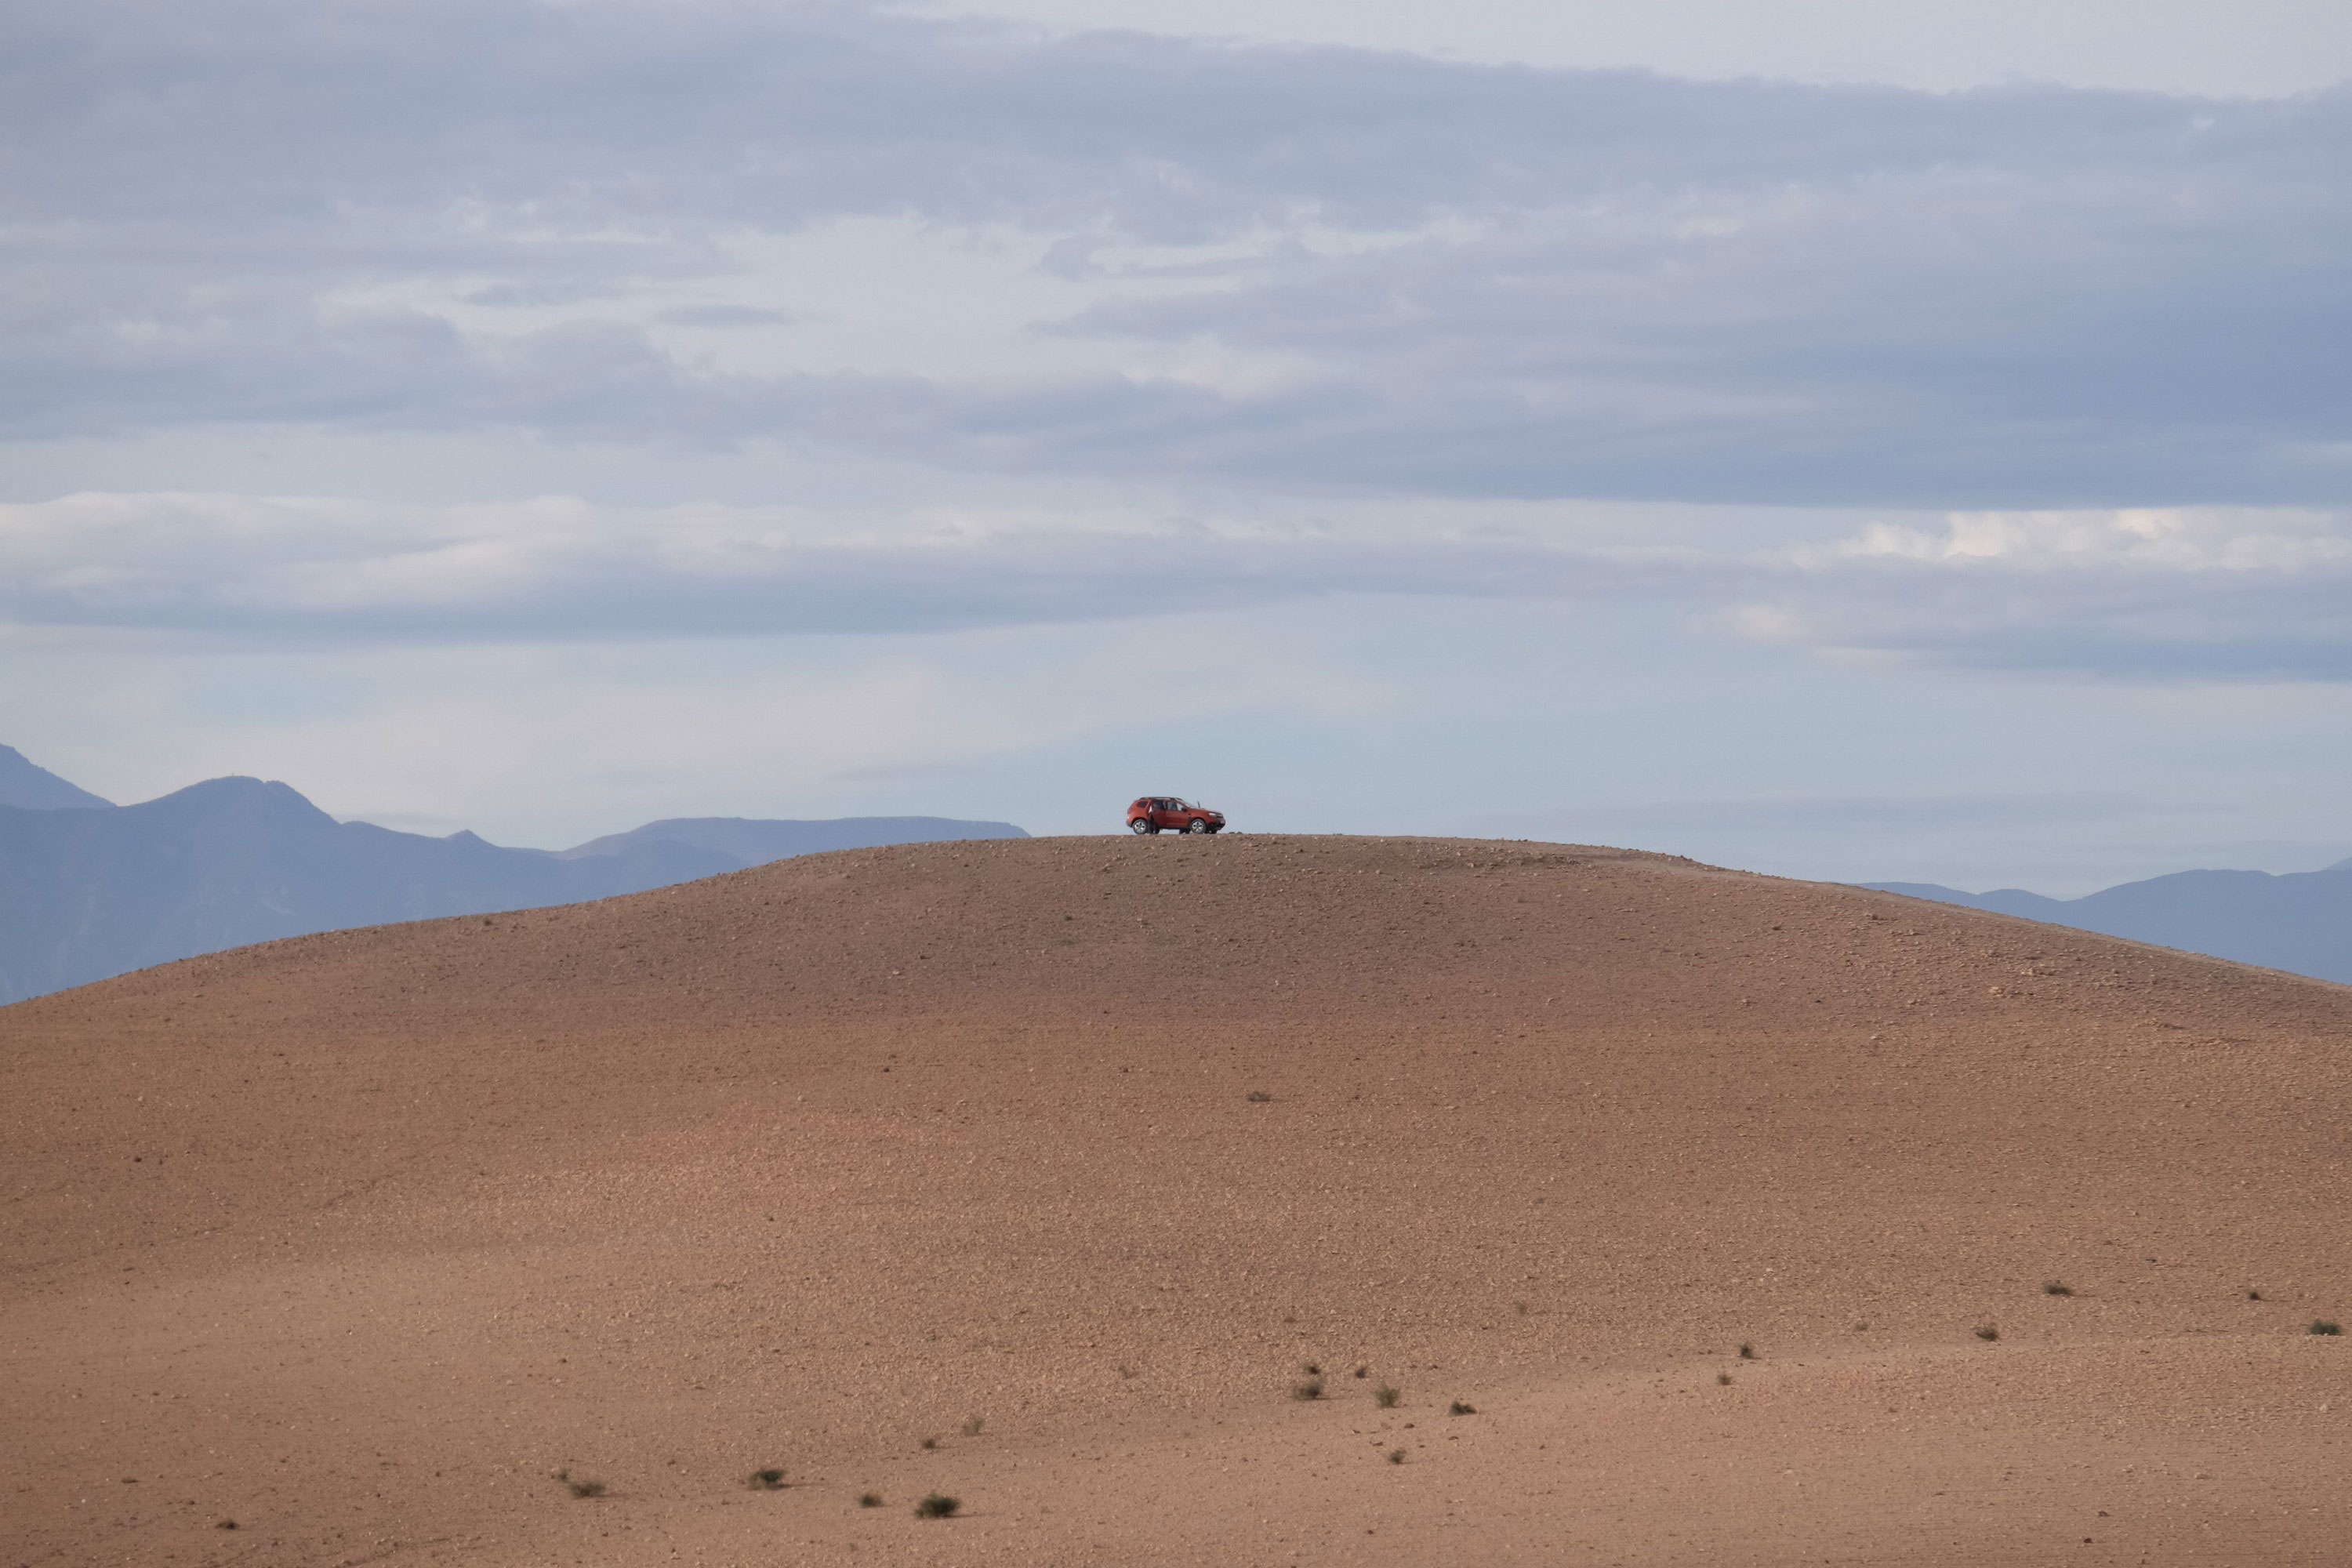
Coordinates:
[1046,1174]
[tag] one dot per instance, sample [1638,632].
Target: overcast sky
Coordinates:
[1846,439]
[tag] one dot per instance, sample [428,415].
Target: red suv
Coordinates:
[1154,812]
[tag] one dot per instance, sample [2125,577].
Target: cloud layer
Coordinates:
[2207,593]
[1299,267]
[559,569]
[2212,593]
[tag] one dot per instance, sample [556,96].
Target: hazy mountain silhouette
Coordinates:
[92,890]
[37,789]
[751,841]
[2301,922]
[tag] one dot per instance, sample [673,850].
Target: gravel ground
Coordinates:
[1048,1173]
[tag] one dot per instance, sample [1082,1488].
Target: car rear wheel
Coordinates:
[1197,824]
[1141,825]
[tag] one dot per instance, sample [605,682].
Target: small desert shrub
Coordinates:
[2325,1326]
[1461,1408]
[1386,1395]
[973,1425]
[2253,1295]
[223,1524]
[928,1444]
[2056,1288]
[1747,1351]
[1986,1332]
[768,1480]
[1520,1307]
[1312,1368]
[935,1505]
[586,1486]
[869,1500]
[1259,1096]
[1312,1388]
[1396,1456]
[1364,1370]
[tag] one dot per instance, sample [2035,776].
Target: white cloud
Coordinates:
[2170,539]
[2166,593]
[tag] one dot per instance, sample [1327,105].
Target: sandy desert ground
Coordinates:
[1039,1174]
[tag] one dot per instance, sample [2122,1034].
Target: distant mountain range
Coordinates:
[89,888]
[2301,922]
[37,788]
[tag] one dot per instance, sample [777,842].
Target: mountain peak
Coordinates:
[26,784]
[238,792]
